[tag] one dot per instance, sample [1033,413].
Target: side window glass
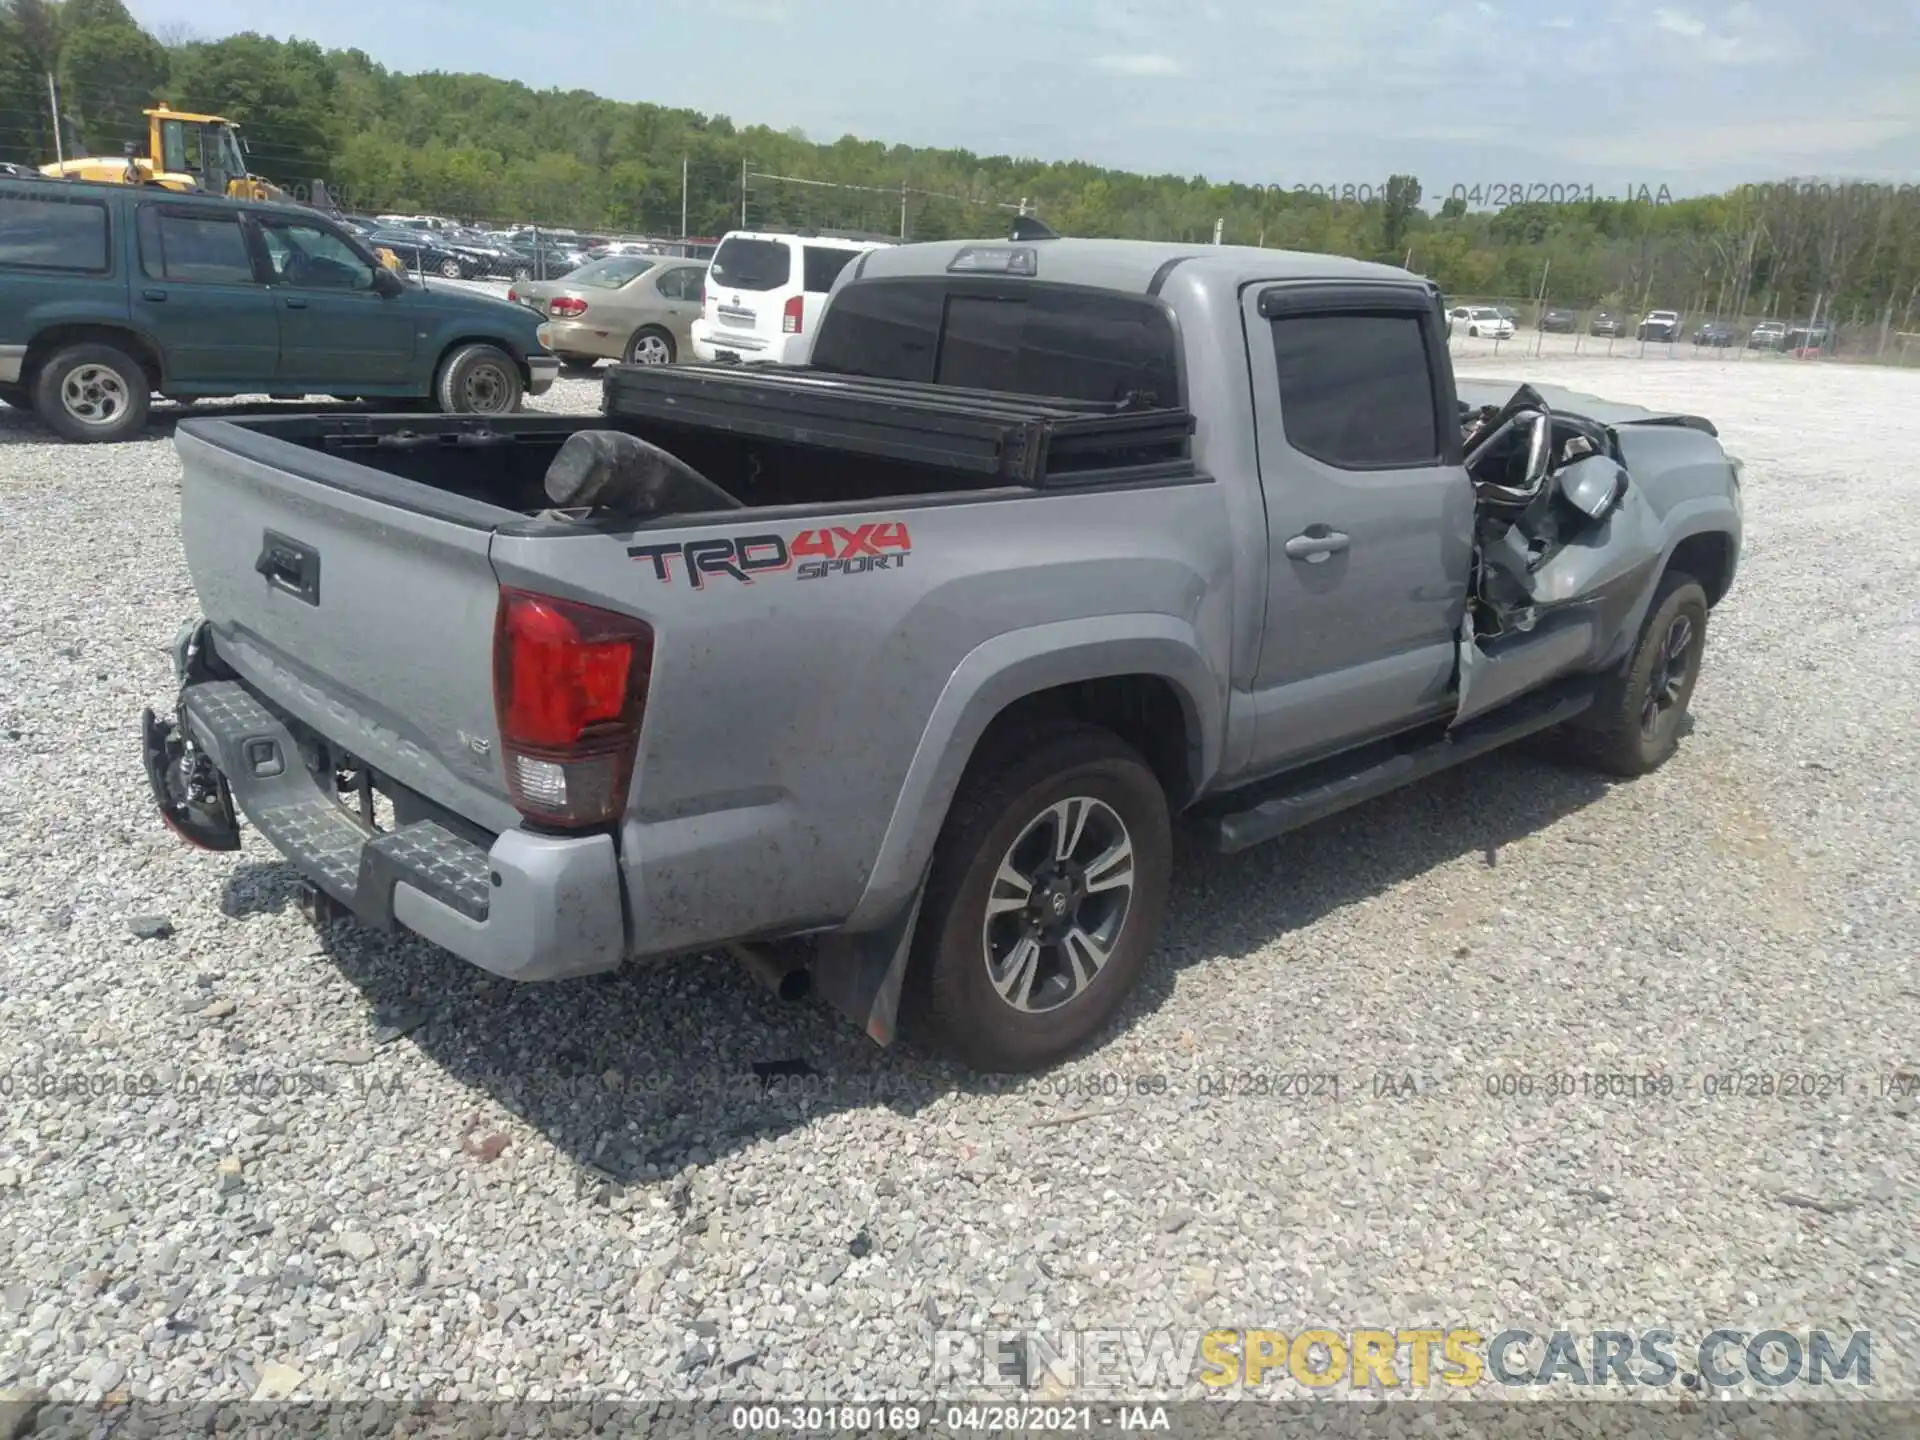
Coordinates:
[193,246]
[309,258]
[1356,390]
[821,266]
[53,232]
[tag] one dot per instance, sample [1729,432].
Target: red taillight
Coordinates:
[566,305]
[512,298]
[703,294]
[790,315]
[569,691]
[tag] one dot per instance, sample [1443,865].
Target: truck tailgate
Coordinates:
[361,603]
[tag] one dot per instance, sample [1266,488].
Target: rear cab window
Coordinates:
[744,263]
[56,232]
[1053,341]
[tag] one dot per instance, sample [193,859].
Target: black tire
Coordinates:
[16,396]
[522,273]
[453,269]
[1634,726]
[951,998]
[651,345]
[479,380]
[95,378]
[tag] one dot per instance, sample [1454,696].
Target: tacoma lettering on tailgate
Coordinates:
[811,554]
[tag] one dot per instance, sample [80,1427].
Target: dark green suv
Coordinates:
[110,294]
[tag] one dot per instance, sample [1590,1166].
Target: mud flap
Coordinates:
[861,975]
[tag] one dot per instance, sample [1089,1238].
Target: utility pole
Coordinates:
[683,197]
[53,101]
[1219,228]
[743,192]
[903,212]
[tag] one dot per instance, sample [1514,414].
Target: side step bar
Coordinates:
[1327,788]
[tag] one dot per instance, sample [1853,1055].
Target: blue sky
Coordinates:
[1607,93]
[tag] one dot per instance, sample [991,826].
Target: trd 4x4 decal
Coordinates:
[812,554]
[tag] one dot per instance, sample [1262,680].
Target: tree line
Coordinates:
[488,149]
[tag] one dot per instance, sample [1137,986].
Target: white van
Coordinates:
[765,292]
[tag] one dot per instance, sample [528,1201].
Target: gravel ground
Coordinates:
[357,1167]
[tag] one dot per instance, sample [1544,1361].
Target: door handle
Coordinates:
[154,295]
[1316,543]
[294,302]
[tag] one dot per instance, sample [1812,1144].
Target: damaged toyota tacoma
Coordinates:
[891,674]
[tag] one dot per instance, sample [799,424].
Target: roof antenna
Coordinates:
[1031,227]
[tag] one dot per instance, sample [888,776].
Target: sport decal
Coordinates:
[810,555]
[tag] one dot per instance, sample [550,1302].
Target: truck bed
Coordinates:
[767,438]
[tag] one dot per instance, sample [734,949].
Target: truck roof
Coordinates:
[1133,264]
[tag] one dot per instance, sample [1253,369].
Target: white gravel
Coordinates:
[570,1191]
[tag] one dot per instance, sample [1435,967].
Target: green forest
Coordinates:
[493,150]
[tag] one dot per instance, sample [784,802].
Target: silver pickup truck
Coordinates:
[891,673]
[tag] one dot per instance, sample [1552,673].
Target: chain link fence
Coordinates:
[1536,327]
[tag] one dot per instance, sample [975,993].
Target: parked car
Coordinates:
[766,292]
[1556,321]
[488,256]
[636,308]
[1481,322]
[111,294]
[541,262]
[11,171]
[1661,325]
[416,222]
[1715,334]
[424,252]
[1607,325]
[614,715]
[1808,339]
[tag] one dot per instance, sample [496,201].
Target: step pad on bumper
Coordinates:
[296,810]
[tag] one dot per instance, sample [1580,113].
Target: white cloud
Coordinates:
[1140,64]
[1678,22]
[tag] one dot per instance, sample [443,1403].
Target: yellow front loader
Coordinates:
[197,154]
[184,152]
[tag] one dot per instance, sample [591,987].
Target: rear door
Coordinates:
[335,328]
[1369,514]
[200,296]
[678,287]
[59,252]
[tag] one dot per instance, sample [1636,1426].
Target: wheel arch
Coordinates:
[1708,556]
[1143,676]
[449,348]
[46,343]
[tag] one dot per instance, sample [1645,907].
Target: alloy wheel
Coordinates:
[1671,667]
[1058,904]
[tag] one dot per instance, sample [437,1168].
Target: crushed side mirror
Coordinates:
[1594,486]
